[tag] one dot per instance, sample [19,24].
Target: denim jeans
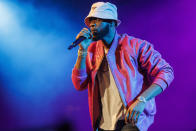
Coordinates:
[121,126]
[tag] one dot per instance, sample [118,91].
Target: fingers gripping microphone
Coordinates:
[76,42]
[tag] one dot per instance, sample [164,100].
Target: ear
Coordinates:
[113,24]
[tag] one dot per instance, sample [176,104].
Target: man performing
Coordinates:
[123,74]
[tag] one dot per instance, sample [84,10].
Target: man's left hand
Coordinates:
[134,111]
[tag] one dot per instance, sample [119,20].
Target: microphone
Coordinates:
[76,42]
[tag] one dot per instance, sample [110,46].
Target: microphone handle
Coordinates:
[76,42]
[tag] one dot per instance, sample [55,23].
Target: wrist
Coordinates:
[82,49]
[82,53]
[142,99]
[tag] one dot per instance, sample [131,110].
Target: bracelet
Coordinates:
[142,99]
[82,53]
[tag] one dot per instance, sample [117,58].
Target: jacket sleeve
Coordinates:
[80,79]
[150,60]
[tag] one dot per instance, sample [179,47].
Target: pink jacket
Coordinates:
[135,65]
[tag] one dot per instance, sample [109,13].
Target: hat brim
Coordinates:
[87,22]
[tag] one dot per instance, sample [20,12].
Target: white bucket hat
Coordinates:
[103,10]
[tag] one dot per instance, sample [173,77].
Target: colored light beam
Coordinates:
[34,64]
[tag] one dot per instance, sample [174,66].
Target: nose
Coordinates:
[92,25]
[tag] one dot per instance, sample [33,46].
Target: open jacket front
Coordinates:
[134,64]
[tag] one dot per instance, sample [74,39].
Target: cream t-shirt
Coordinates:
[112,106]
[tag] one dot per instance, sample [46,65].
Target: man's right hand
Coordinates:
[85,43]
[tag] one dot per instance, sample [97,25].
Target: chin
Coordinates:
[95,39]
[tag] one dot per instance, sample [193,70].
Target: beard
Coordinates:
[100,33]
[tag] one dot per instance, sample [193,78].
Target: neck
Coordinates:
[108,39]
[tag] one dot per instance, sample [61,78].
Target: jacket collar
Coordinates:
[99,52]
[114,44]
